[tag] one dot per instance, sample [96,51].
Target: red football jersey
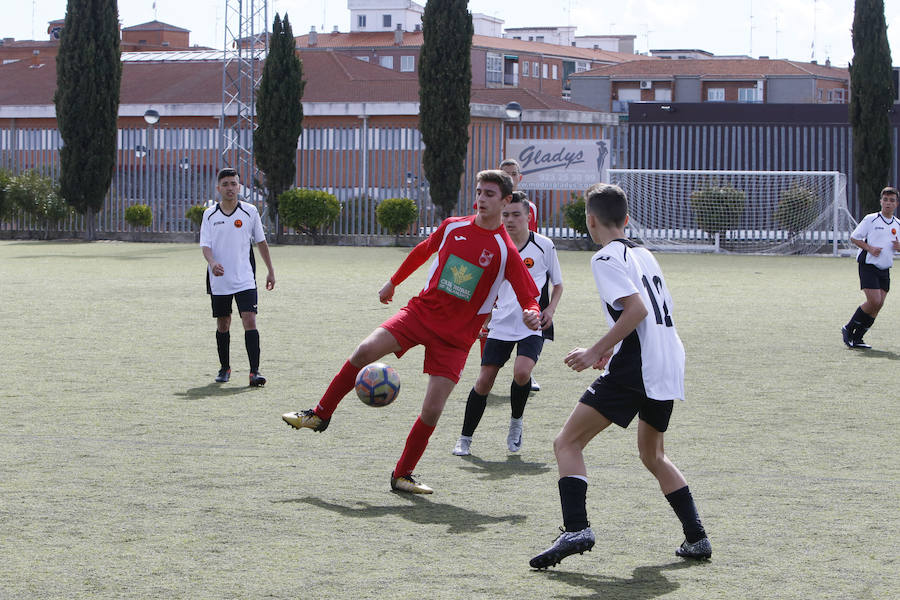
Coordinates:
[465,278]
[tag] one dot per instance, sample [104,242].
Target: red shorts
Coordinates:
[441,359]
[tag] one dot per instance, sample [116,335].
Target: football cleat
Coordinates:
[848,340]
[514,438]
[861,344]
[307,418]
[567,544]
[257,379]
[700,549]
[407,484]
[223,376]
[535,386]
[463,445]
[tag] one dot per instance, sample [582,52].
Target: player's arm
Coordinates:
[633,312]
[413,261]
[264,253]
[550,309]
[858,238]
[523,285]
[217,269]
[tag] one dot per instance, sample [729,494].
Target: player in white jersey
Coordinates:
[508,331]
[227,233]
[645,362]
[876,237]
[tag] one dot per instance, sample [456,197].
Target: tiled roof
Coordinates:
[414,39]
[155,26]
[719,68]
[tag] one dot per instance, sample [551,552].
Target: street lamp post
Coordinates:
[151,117]
[514,112]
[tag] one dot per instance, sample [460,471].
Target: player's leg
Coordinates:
[582,425]
[436,394]
[529,349]
[874,283]
[378,344]
[475,406]
[671,482]
[247,306]
[221,311]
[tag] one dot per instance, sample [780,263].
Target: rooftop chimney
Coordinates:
[313,37]
[828,62]
[335,30]
[398,35]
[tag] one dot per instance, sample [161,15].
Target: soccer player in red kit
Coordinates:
[474,257]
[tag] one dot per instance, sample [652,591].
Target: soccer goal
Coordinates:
[771,212]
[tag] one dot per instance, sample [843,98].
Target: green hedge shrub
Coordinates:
[308,211]
[796,208]
[718,208]
[139,215]
[195,215]
[397,214]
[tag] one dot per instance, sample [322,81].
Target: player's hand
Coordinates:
[532,319]
[547,317]
[386,293]
[482,335]
[218,270]
[580,359]
[896,245]
[874,250]
[270,281]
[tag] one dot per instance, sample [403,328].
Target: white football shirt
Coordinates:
[651,358]
[230,237]
[539,255]
[877,231]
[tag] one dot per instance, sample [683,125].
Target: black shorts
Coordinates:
[620,405]
[497,352]
[873,278]
[246,302]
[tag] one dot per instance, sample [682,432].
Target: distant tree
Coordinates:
[88,73]
[871,97]
[445,82]
[279,112]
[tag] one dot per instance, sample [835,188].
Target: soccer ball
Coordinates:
[377,384]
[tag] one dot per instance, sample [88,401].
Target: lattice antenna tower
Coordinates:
[246,46]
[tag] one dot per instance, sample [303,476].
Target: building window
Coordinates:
[363,58]
[386,21]
[524,68]
[837,96]
[661,94]
[544,70]
[555,72]
[539,38]
[820,95]
[386,61]
[715,94]
[407,64]
[361,21]
[494,68]
[748,95]
[581,66]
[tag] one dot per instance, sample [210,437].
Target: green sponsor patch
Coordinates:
[460,278]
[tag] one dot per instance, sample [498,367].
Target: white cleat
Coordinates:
[514,439]
[463,445]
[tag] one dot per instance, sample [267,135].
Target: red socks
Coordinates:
[416,442]
[339,387]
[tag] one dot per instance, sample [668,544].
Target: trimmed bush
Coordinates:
[5,179]
[139,215]
[308,211]
[37,196]
[796,208]
[195,215]
[718,208]
[397,214]
[573,214]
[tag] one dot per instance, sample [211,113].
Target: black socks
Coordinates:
[682,503]
[474,411]
[223,344]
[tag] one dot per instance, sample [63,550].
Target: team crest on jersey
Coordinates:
[893,231]
[485,258]
[238,223]
[529,262]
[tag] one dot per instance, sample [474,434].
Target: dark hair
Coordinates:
[891,190]
[607,203]
[503,180]
[521,198]
[511,162]
[226,172]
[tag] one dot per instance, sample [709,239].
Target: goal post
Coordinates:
[768,212]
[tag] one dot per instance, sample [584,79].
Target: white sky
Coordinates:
[782,29]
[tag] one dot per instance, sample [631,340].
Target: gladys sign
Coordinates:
[560,164]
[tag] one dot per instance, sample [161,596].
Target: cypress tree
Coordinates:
[88,74]
[871,97]
[279,113]
[445,83]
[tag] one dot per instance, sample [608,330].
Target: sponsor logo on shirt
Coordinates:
[529,262]
[218,223]
[238,223]
[459,237]
[459,278]
[485,258]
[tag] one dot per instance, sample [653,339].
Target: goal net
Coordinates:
[774,212]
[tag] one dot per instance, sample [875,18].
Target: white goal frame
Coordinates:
[679,230]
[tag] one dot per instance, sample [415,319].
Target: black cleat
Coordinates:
[257,379]
[701,549]
[567,544]
[848,340]
[223,376]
